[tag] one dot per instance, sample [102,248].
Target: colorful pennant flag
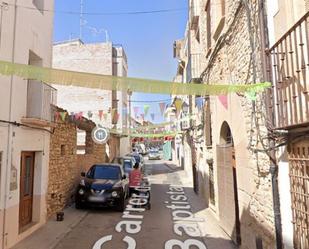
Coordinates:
[146,109]
[89,114]
[162,107]
[136,110]
[100,114]
[78,116]
[178,104]
[223,100]
[57,116]
[63,115]
[199,102]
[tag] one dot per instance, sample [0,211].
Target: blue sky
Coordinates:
[147,38]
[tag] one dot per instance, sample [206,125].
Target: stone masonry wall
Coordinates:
[65,165]
[63,172]
[230,63]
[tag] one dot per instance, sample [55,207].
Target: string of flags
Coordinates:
[108,82]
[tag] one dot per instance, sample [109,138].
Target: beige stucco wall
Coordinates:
[33,32]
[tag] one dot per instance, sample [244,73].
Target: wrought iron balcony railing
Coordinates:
[288,69]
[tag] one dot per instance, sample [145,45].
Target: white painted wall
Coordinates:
[23,30]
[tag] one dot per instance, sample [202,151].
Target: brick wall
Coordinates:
[65,165]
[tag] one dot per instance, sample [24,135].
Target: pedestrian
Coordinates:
[135,178]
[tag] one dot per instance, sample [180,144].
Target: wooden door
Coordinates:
[227,191]
[26,188]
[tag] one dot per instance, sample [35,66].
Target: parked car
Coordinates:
[127,163]
[138,158]
[154,155]
[120,160]
[104,185]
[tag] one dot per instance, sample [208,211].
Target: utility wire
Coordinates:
[104,13]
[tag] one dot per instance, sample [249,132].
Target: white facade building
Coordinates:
[99,58]
[25,116]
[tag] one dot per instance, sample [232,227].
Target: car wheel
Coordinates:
[121,205]
[79,205]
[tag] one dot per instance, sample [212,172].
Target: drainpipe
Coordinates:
[9,140]
[273,169]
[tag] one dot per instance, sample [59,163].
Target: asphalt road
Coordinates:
[145,229]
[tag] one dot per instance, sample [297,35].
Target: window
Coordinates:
[208,24]
[62,150]
[81,142]
[39,4]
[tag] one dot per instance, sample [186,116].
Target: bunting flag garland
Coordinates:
[152,116]
[162,107]
[108,82]
[63,115]
[146,109]
[100,114]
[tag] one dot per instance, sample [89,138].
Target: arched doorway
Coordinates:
[227,184]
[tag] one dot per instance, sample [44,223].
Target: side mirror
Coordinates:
[124,177]
[83,174]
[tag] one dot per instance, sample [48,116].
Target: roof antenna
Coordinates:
[81,19]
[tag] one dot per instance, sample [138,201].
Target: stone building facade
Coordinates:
[230,166]
[65,165]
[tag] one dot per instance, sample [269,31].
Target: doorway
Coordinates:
[227,185]
[26,189]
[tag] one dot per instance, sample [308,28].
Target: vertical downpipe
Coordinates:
[272,155]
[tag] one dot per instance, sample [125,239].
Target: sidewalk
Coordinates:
[48,236]
[213,235]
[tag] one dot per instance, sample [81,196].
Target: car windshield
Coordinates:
[127,165]
[104,172]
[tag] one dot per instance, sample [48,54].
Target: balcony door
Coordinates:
[26,188]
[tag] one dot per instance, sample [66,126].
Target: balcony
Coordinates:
[194,69]
[40,98]
[288,62]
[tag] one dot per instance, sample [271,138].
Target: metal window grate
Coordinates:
[299,178]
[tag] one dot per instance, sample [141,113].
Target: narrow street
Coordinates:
[157,224]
